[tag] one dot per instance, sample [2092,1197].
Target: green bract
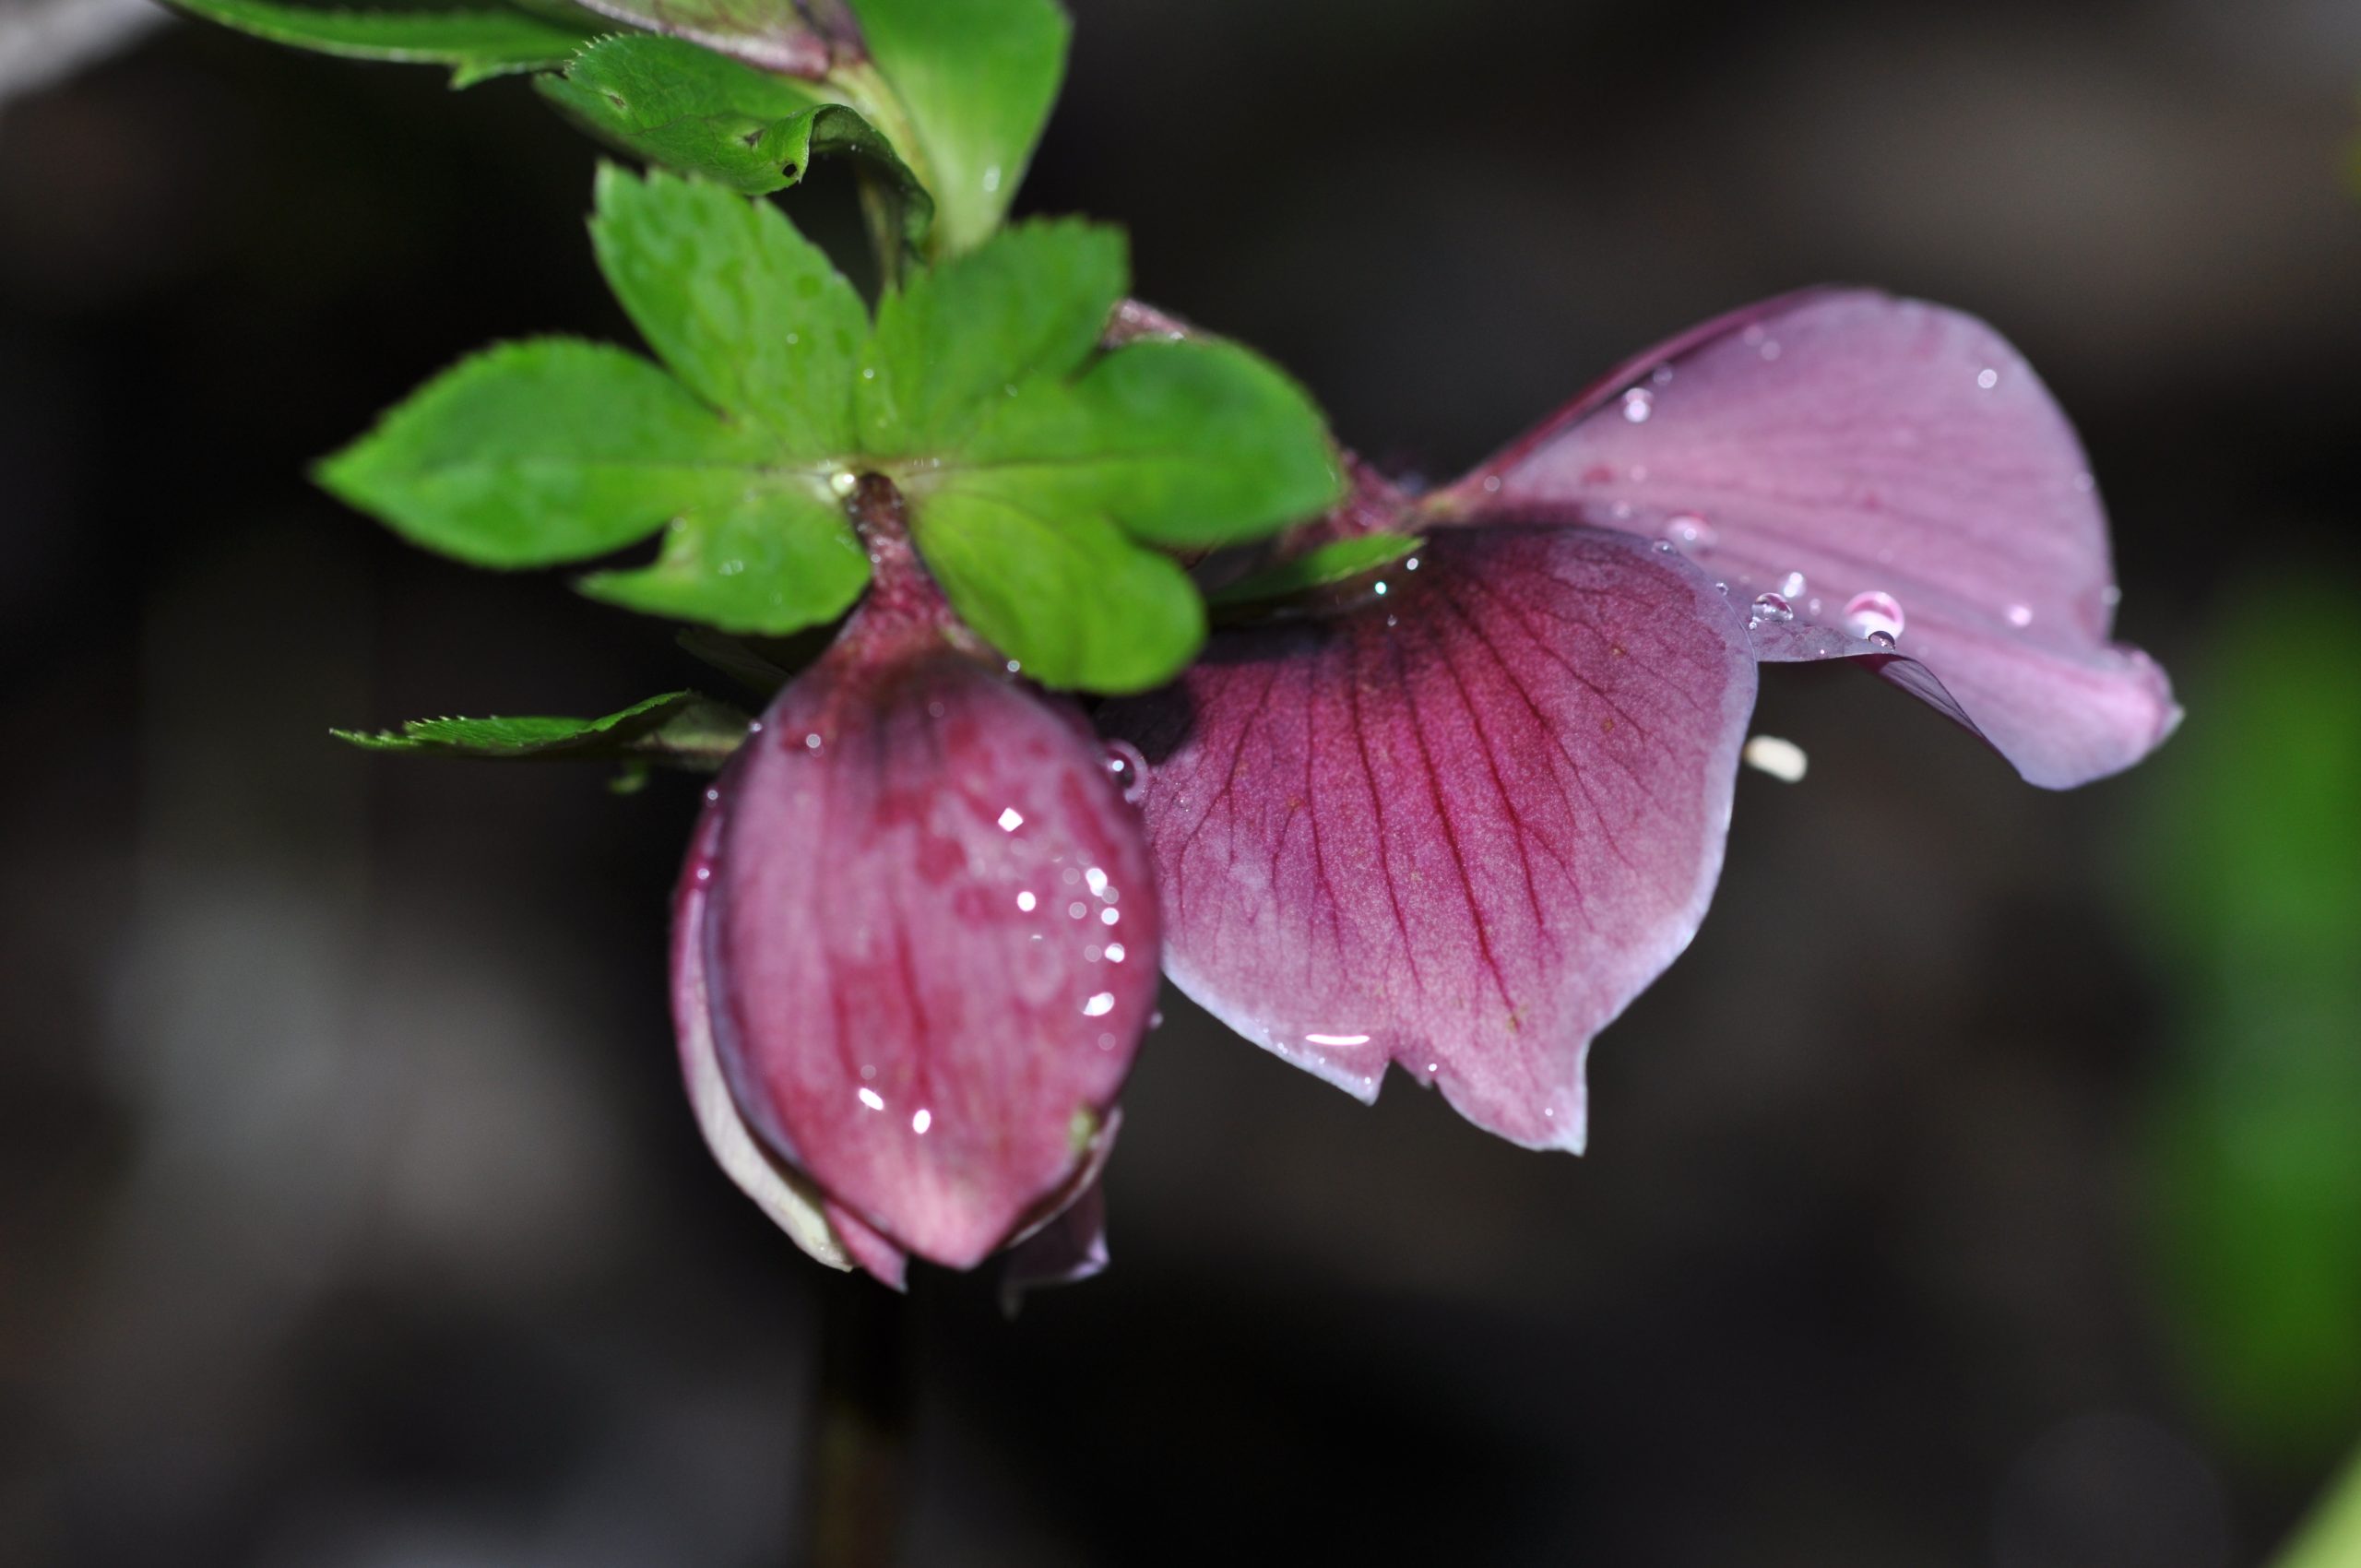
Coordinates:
[1040,473]
[679,729]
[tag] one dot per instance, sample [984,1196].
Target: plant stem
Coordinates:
[861,1423]
[2331,1537]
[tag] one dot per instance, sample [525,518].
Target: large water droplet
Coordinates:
[1771,607]
[1638,404]
[1867,614]
[1881,640]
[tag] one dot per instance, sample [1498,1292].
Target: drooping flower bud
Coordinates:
[917,940]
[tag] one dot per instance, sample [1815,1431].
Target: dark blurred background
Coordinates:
[1983,1188]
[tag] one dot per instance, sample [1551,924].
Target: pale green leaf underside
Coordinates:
[1064,594]
[680,729]
[1323,567]
[667,101]
[768,564]
[962,335]
[749,315]
[475,41]
[539,453]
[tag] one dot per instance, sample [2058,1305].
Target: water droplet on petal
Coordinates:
[1114,951]
[872,1099]
[1156,1019]
[812,740]
[843,484]
[1771,607]
[2020,614]
[1638,404]
[1011,820]
[1099,1005]
[1128,769]
[1078,910]
[1792,585]
[1987,378]
[920,1122]
[991,179]
[1881,640]
[1025,901]
[1866,615]
[1689,531]
[1663,376]
[1491,483]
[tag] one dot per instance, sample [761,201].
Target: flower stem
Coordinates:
[861,1425]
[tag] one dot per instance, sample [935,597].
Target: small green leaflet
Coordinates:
[475,41]
[668,103]
[1041,475]
[1326,566]
[967,87]
[677,729]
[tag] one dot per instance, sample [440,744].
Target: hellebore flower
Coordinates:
[914,948]
[1460,825]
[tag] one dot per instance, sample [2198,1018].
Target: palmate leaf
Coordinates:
[670,102]
[676,730]
[476,41]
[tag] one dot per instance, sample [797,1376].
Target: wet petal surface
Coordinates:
[933,945]
[1459,828]
[1879,468]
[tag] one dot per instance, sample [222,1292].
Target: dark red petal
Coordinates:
[1850,453]
[1458,829]
[783,1193]
[932,943]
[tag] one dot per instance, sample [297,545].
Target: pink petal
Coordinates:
[933,941]
[1459,828]
[1850,452]
[780,1191]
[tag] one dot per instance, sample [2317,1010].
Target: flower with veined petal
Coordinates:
[1461,825]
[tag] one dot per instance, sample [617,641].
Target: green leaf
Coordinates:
[1068,597]
[1187,444]
[476,42]
[794,38]
[679,730]
[769,565]
[749,314]
[2247,868]
[1338,561]
[670,102]
[969,85]
[537,453]
[960,337]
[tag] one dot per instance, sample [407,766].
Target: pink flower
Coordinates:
[1460,826]
[915,947]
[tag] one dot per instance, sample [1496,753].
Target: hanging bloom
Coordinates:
[914,949]
[1461,825]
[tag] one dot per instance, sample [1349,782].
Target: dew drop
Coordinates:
[1096,879]
[869,373]
[1866,615]
[1987,378]
[1156,1019]
[1114,951]
[1011,819]
[868,1071]
[1881,640]
[1411,564]
[1689,531]
[1770,607]
[1793,585]
[1025,901]
[991,179]
[1664,546]
[922,1121]
[1381,589]
[843,482]
[872,1099]
[1078,910]
[1638,404]
[1109,917]
[1128,769]
[1663,376]
[1491,483]
[1016,668]
[812,740]
[2020,614]
[1099,1005]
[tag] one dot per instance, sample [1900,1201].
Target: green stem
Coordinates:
[2332,1536]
